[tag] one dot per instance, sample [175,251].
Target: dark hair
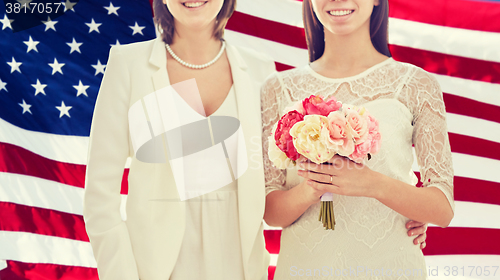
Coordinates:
[165,21]
[315,35]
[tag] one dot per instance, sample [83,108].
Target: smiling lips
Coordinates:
[339,13]
[194,4]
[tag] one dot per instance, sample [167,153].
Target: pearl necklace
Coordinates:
[193,66]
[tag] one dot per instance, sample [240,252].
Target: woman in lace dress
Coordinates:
[350,60]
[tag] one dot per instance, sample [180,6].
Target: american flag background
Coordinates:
[50,76]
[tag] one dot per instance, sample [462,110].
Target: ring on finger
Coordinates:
[331,179]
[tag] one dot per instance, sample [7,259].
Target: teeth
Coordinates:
[193,4]
[340,13]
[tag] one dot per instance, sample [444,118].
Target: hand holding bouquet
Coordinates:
[319,129]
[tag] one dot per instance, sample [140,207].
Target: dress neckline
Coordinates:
[357,76]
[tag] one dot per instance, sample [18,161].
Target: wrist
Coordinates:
[381,187]
[306,194]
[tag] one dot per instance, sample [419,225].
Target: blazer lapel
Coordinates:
[251,194]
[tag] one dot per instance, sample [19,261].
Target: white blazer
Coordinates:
[147,244]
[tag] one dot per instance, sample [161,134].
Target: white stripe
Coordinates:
[279,52]
[72,149]
[475,90]
[471,167]
[284,11]
[474,127]
[455,41]
[3,264]
[37,248]
[36,192]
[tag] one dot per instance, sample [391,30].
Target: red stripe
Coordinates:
[461,241]
[472,108]
[267,29]
[42,271]
[474,146]
[272,240]
[439,63]
[440,241]
[466,14]
[450,65]
[270,271]
[282,67]
[17,217]
[17,160]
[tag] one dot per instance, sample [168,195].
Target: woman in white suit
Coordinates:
[218,235]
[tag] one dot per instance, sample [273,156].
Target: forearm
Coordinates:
[284,207]
[427,205]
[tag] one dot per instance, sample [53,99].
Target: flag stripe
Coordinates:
[442,39]
[440,241]
[41,221]
[450,65]
[46,271]
[476,146]
[476,15]
[472,108]
[47,222]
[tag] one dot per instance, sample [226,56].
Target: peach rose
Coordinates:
[338,137]
[307,138]
[356,118]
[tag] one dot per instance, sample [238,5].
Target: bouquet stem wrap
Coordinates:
[326,215]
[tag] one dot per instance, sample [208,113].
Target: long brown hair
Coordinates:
[165,21]
[315,34]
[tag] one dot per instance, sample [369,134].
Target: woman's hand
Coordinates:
[340,175]
[419,229]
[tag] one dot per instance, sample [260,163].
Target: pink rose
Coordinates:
[282,136]
[374,135]
[315,105]
[361,151]
[358,124]
[339,136]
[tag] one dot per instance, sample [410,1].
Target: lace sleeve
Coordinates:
[275,178]
[430,134]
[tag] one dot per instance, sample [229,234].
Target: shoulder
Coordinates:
[135,47]
[418,76]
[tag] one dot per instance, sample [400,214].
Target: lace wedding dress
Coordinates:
[370,239]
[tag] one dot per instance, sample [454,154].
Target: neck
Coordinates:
[195,46]
[347,53]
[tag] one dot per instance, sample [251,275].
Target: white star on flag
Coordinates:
[2,85]
[74,46]
[26,107]
[31,45]
[50,24]
[40,88]
[6,22]
[14,65]
[137,29]
[69,5]
[112,9]
[99,68]
[117,43]
[64,110]
[56,66]
[93,26]
[81,89]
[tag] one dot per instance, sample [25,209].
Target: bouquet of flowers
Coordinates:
[318,129]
